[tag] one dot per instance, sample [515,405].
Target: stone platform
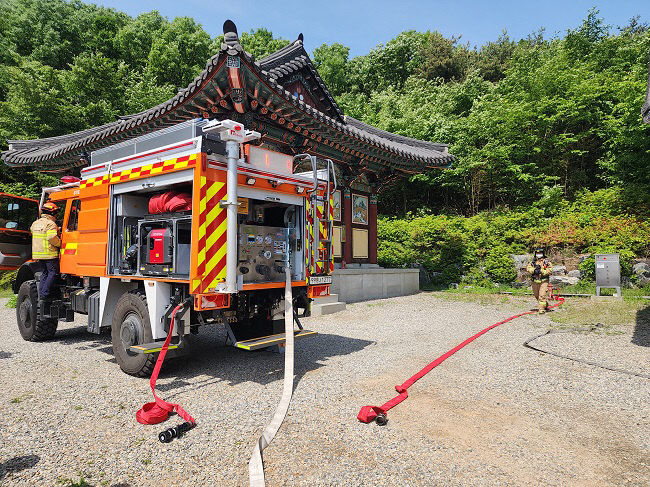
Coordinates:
[365,283]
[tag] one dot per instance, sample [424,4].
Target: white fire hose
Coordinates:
[256,464]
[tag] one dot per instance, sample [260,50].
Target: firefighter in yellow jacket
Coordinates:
[540,270]
[45,247]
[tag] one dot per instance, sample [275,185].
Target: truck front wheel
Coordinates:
[131,326]
[30,326]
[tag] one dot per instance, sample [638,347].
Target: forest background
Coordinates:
[550,145]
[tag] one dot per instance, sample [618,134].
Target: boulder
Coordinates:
[641,269]
[558,270]
[521,261]
[583,257]
[561,281]
[577,273]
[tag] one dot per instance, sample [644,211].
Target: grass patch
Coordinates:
[66,482]
[19,399]
[6,292]
[484,298]
[574,312]
[585,312]
[11,302]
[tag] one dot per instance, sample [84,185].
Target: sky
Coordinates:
[362,25]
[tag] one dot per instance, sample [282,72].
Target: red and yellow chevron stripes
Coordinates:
[142,171]
[309,258]
[69,249]
[323,262]
[212,243]
[331,257]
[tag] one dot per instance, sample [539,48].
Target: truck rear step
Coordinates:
[270,340]
[153,347]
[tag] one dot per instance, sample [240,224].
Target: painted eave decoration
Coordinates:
[234,85]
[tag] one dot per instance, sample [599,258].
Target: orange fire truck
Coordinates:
[195,213]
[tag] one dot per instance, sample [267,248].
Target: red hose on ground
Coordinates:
[367,414]
[158,411]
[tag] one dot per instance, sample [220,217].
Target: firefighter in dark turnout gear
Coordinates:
[45,247]
[540,270]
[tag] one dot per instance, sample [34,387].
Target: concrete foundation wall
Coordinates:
[361,284]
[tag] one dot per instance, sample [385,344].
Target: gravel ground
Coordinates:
[493,414]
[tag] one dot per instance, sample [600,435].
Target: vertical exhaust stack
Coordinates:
[233,134]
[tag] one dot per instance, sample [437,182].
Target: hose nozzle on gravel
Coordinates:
[175,432]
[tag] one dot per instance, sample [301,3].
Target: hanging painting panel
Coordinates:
[359,209]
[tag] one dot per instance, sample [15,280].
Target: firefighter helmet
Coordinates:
[49,208]
[540,250]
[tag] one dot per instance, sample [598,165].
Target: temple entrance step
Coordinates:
[327,305]
[270,340]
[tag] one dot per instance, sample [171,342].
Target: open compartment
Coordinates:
[152,227]
[270,236]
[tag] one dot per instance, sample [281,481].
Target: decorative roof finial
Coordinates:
[230,38]
[229,27]
[301,38]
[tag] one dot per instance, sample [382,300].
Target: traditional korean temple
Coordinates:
[282,97]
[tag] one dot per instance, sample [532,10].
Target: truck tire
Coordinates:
[131,326]
[31,328]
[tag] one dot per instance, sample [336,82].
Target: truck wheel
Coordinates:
[131,326]
[31,328]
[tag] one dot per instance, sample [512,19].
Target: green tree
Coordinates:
[260,43]
[331,61]
[494,57]
[134,40]
[179,52]
[443,58]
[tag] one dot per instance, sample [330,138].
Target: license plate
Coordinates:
[320,280]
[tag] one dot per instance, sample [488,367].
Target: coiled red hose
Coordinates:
[158,411]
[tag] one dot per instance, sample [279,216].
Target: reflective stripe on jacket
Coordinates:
[45,239]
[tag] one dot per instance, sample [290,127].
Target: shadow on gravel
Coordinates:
[18,464]
[215,362]
[208,356]
[641,335]
[78,335]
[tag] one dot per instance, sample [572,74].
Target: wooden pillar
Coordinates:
[372,229]
[347,224]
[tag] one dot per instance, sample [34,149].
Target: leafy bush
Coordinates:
[7,278]
[476,249]
[499,266]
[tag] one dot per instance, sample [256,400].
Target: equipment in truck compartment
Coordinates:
[169,202]
[160,246]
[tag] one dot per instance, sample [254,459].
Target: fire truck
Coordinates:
[197,213]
